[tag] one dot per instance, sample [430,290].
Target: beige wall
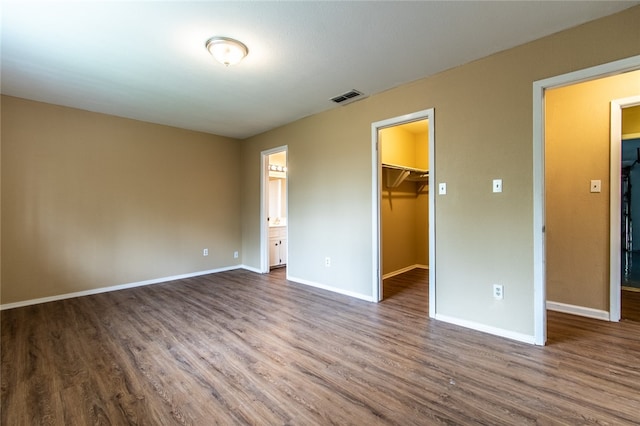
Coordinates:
[631,121]
[577,221]
[483,128]
[404,211]
[398,147]
[405,221]
[90,200]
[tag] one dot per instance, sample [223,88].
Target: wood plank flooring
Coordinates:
[630,305]
[242,348]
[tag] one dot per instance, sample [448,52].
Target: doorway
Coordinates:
[539,219]
[403,208]
[274,212]
[625,139]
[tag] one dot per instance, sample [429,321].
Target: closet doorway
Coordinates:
[274,229]
[403,153]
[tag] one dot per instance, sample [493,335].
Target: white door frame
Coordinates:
[539,88]
[615,207]
[427,114]
[264,204]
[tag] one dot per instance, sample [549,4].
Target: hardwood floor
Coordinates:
[630,305]
[242,348]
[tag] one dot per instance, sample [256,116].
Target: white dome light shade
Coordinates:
[226,50]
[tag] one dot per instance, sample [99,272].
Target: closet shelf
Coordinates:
[398,174]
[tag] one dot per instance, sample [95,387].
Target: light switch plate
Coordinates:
[442,188]
[596,185]
[497,185]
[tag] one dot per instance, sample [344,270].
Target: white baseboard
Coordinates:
[403,270]
[578,310]
[251,269]
[330,288]
[115,288]
[525,338]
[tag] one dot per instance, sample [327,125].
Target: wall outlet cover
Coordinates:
[498,292]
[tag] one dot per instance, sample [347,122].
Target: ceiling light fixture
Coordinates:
[226,50]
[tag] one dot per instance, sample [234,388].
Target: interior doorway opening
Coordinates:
[630,208]
[625,138]
[274,212]
[404,207]
[403,213]
[540,220]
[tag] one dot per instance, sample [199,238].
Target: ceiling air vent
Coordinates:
[348,97]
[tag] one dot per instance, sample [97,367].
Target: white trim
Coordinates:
[264,205]
[539,266]
[403,270]
[615,203]
[376,171]
[539,87]
[432,212]
[429,115]
[250,269]
[526,338]
[331,288]
[116,287]
[578,310]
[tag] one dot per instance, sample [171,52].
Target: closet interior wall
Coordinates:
[404,202]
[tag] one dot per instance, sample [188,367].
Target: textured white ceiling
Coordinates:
[146,60]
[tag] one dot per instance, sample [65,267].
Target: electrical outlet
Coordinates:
[498,291]
[327,262]
[235,254]
[205,252]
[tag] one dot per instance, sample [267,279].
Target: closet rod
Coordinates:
[409,169]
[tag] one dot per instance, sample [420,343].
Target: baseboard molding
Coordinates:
[251,269]
[115,288]
[500,332]
[578,310]
[330,288]
[403,270]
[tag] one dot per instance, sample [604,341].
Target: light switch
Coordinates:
[442,188]
[497,185]
[596,185]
